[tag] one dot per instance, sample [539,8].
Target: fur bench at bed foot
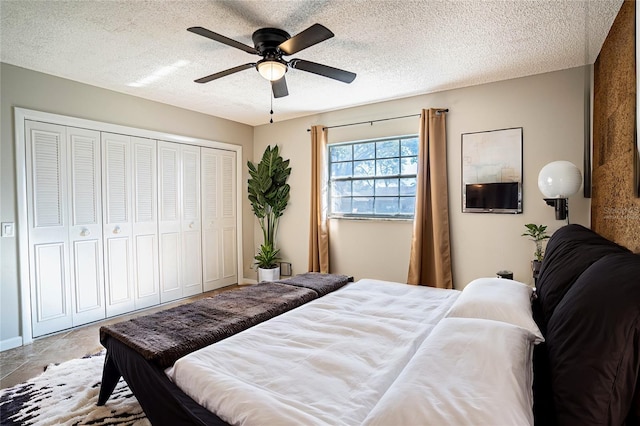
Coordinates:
[163,337]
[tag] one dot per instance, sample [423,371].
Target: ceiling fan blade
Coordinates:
[323,70]
[224,73]
[279,88]
[222,39]
[307,38]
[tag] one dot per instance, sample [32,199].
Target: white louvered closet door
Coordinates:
[50,285]
[85,225]
[117,229]
[191,221]
[218,218]
[229,223]
[169,220]
[145,222]
[179,220]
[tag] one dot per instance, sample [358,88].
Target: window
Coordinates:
[374,178]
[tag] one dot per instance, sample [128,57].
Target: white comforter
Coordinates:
[328,362]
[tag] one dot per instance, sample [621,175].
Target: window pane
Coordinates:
[386,187]
[364,168]
[340,153]
[409,166]
[362,205]
[387,206]
[363,187]
[340,188]
[364,151]
[409,147]
[407,205]
[388,167]
[341,205]
[341,170]
[387,149]
[365,177]
[408,186]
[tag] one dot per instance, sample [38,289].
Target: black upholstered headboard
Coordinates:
[588,307]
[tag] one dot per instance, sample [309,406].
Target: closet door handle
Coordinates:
[191,225]
[85,232]
[117,230]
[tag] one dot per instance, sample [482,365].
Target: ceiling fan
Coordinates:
[272,44]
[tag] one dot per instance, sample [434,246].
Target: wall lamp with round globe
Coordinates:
[557,181]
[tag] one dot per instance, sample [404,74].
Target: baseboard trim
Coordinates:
[7,344]
[248,281]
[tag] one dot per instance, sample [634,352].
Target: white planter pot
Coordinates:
[268,274]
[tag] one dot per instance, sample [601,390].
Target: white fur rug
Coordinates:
[66,394]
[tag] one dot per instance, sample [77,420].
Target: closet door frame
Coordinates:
[21,115]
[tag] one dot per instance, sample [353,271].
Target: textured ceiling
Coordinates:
[397,48]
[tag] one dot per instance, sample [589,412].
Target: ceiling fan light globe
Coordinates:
[272,70]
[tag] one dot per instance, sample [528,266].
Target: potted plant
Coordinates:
[536,233]
[269,195]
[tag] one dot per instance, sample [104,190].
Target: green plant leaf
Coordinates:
[267,257]
[536,233]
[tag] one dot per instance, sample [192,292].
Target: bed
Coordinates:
[380,353]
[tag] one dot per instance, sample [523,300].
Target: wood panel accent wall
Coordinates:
[615,209]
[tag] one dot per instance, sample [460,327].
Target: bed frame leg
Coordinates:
[110,378]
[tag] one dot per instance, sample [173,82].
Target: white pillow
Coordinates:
[497,299]
[466,372]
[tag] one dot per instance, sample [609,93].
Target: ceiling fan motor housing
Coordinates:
[267,40]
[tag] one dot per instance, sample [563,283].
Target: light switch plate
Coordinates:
[8,229]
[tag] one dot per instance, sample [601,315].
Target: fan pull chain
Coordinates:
[271,112]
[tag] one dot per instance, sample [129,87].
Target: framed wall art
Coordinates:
[492,171]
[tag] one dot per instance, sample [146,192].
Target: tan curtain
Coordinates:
[319,228]
[430,261]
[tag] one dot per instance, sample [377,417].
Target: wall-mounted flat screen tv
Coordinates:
[496,197]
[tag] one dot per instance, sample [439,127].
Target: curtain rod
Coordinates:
[375,121]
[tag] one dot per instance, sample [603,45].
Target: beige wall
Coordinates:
[33,90]
[550,108]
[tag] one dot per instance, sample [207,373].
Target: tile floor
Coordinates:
[20,364]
